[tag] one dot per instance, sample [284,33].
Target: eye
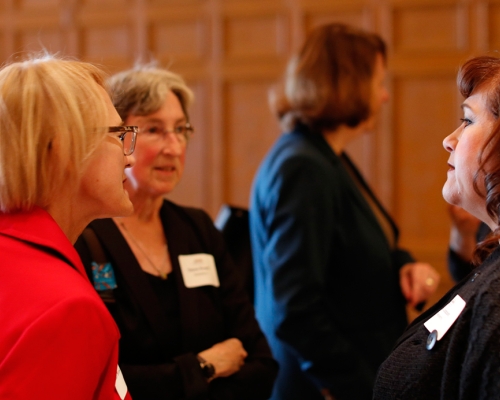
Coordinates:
[152,130]
[466,121]
[180,129]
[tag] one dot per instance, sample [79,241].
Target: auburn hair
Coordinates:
[483,73]
[328,82]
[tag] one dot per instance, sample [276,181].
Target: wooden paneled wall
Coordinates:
[232,51]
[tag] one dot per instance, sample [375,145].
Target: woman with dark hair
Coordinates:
[331,281]
[452,351]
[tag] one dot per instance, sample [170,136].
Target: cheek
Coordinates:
[144,158]
[182,159]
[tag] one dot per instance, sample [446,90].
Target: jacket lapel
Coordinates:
[322,146]
[371,194]
[181,241]
[37,227]
[135,279]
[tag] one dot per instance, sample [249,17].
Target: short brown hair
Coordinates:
[483,73]
[328,82]
[52,117]
[143,89]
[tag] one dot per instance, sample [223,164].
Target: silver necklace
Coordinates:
[162,274]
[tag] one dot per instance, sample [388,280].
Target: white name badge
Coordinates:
[120,385]
[445,318]
[199,270]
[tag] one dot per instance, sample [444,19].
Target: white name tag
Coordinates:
[199,270]
[445,318]
[120,385]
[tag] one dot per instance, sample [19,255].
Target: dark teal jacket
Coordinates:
[327,291]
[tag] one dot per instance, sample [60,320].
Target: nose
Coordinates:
[450,141]
[129,161]
[172,145]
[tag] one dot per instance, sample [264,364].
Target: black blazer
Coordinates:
[326,279]
[208,315]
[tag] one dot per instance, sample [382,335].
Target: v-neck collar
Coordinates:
[179,242]
[319,142]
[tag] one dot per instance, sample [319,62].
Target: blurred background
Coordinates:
[231,52]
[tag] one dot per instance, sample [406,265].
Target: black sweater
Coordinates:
[465,363]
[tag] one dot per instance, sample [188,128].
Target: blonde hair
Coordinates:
[142,90]
[52,117]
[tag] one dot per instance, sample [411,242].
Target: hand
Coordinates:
[463,232]
[327,395]
[227,357]
[418,282]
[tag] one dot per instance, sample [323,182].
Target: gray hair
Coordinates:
[143,89]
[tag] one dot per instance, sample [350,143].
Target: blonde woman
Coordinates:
[63,154]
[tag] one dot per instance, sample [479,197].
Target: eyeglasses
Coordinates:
[156,132]
[128,137]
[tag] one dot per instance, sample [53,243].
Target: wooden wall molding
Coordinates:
[232,51]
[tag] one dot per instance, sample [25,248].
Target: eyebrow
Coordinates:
[464,105]
[159,121]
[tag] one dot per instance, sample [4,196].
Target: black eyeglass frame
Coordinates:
[126,129]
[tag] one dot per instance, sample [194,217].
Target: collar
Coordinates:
[39,228]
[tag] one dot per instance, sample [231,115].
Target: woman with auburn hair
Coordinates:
[62,159]
[188,329]
[452,351]
[331,281]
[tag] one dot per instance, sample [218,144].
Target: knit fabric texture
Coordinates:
[465,363]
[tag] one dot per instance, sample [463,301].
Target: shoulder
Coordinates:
[296,155]
[56,294]
[482,293]
[301,168]
[190,214]
[190,219]
[83,310]
[308,147]
[488,282]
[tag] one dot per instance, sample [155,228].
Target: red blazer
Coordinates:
[57,340]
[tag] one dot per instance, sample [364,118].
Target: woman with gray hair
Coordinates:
[188,329]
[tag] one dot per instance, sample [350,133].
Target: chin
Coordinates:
[450,196]
[127,209]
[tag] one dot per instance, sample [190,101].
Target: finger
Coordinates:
[406,287]
[424,288]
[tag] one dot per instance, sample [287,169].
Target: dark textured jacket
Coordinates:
[327,281]
[208,315]
[465,363]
